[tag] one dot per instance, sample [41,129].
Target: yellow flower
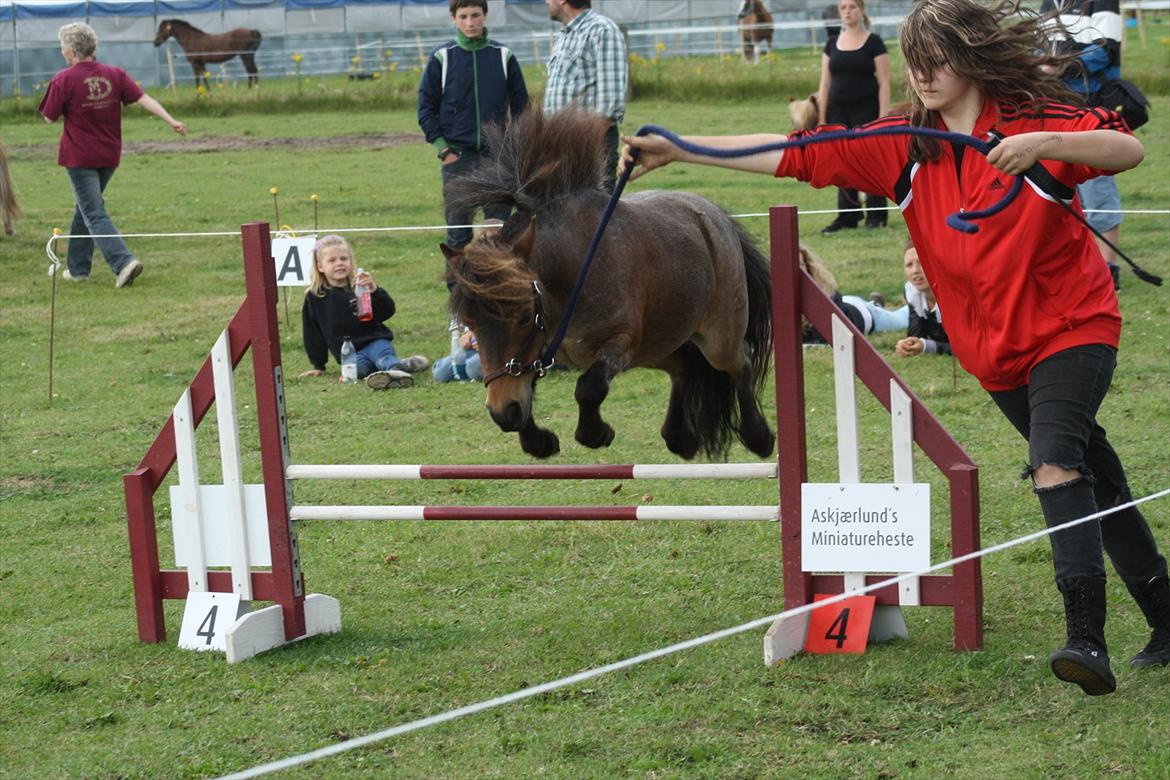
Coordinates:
[298,57]
[201,91]
[660,47]
[357,59]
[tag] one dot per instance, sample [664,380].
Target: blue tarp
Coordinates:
[121,9]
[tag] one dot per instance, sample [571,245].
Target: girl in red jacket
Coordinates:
[1030,306]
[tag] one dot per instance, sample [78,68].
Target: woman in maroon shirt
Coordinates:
[90,96]
[1030,307]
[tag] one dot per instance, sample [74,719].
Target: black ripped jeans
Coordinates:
[1056,412]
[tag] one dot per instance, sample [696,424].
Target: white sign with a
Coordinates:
[294,259]
[206,619]
[865,527]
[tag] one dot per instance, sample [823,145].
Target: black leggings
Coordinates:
[1056,412]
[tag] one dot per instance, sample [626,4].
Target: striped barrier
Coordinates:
[241,539]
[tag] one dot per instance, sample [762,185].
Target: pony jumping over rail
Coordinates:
[676,285]
[755,28]
[202,48]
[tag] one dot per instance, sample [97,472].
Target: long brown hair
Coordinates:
[1000,48]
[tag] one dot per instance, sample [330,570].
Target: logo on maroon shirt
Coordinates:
[99,88]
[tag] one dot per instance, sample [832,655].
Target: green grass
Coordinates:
[781,76]
[440,615]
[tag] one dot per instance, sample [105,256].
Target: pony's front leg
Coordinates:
[538,442]
[592,388]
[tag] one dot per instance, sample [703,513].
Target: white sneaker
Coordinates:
[385,380]
[71,278]
[128,274]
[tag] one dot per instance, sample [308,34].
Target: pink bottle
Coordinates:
[365,306]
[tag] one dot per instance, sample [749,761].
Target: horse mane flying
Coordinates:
[488,284]
[535,160]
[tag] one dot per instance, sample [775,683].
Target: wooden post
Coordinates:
[536,50]
[719,39]
[422,57]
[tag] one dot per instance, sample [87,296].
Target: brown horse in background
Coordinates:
[676,285]
[755,28]
[202,48]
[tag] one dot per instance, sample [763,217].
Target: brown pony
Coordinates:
[202,48]
[676,285]
[755,28]
[9,206]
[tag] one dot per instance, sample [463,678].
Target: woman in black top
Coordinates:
[855,89]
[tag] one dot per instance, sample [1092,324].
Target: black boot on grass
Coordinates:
[1084,659]
[1154,599]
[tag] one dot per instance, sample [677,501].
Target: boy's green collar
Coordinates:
[471,44]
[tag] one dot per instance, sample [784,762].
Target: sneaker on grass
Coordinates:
[128,274]
[385,380]
[71,278]
[414,364]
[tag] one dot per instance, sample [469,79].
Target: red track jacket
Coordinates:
[1031,282]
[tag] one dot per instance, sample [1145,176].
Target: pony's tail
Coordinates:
[708,401]
[759,288]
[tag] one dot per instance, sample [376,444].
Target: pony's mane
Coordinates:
[180,23]
[534,160]
[488,282]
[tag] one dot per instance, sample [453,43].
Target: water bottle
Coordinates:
[365,307]
[348,362]
[458,355]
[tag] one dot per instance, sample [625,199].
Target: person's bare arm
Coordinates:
[1109,150]
[154,107]
[656,151]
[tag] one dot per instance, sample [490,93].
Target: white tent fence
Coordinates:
[384,34]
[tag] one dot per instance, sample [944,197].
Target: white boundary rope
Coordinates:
[406,228]
[536,690]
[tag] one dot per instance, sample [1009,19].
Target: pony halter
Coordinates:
[515,366]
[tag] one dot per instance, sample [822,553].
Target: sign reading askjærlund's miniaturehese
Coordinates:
[854,527]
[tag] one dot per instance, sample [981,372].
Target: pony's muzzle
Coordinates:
[510,418]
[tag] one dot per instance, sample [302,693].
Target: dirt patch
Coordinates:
[229,143]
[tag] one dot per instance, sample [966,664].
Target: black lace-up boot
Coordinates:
[1154,599]
[1084,659]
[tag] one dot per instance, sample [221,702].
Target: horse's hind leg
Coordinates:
[754,431]
[249,61]
[592,388]
[676,432]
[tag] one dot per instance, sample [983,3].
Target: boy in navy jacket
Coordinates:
[467,83]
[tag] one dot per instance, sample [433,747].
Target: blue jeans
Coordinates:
[90,217]
[444,369]
[377,356]
[458,237]
[1056,412]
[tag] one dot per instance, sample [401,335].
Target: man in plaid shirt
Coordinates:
[588,68]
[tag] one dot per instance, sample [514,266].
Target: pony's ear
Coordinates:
[523,245]
[448,252]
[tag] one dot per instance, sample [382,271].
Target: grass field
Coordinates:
[441,615]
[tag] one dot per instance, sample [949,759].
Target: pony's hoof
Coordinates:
[602,438]
[686,446]
[761,444]
[541,444]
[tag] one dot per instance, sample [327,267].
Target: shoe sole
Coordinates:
[129,280]
[382,382]
[1091,682]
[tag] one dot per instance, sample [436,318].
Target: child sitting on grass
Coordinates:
[329,316]
[925,334]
